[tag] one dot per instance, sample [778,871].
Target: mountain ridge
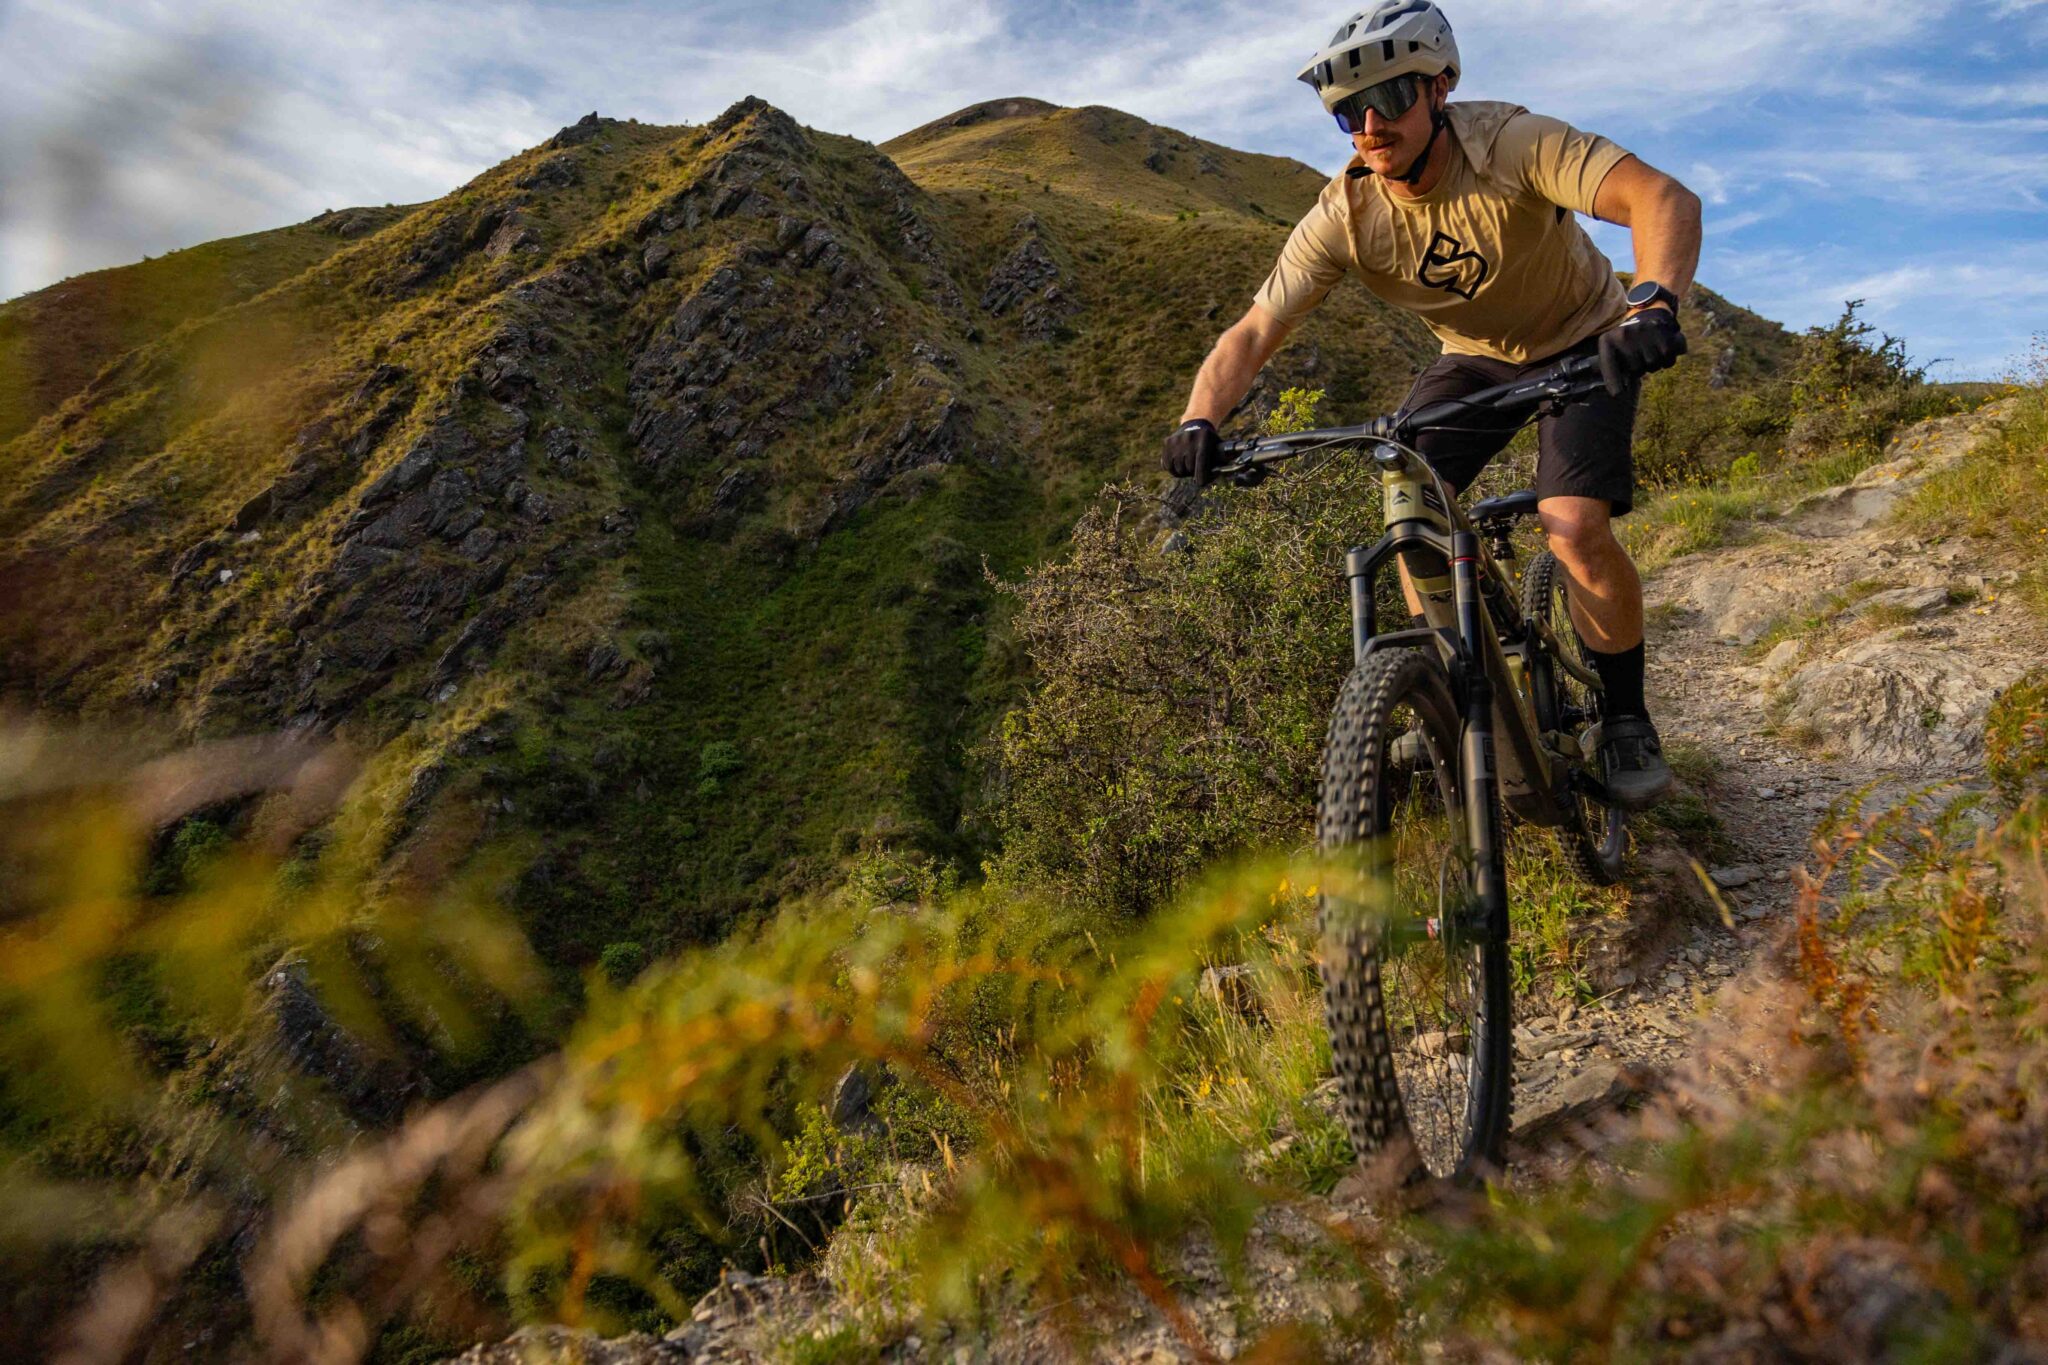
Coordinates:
[648,452]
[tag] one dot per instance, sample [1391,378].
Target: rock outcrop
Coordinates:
[1030,284]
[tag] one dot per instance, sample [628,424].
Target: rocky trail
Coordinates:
[1815,656]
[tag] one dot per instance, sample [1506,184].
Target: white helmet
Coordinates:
[1393,38]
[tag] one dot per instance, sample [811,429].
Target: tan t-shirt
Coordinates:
[1491,258]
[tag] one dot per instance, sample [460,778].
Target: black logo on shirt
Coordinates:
[1457,270]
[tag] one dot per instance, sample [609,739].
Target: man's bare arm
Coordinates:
[1663,219]
[1235,361]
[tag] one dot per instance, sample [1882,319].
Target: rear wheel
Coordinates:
[1415,990]
[1595,837]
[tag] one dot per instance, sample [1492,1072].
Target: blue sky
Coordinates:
[1897,153]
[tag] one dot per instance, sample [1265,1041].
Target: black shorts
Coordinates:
[1582,451]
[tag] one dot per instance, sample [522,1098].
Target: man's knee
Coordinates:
[1579,529]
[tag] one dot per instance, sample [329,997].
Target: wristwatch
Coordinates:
[1646,292]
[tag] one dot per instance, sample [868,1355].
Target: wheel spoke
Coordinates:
[1597,839]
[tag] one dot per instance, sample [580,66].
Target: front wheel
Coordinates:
[1415,983]
[1594,836]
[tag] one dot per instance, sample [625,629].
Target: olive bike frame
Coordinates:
[1475,622]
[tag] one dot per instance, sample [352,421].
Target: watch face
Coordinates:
[1646,292]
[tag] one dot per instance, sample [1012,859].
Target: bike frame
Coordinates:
[1475,624]
[1476,629]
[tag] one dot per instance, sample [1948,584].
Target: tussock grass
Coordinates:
[1998,493]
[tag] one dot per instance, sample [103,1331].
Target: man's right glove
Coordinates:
[1192,451]
[1650,340]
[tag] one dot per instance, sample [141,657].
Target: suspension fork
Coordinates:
[1482,804]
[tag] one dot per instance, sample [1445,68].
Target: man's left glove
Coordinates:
[1648,341]
[1192,451]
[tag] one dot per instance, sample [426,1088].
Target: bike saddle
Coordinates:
[1519,504]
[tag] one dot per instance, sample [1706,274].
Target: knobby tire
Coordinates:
[1394,1039]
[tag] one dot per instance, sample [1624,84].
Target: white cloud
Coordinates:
[1717,225]
[1971,311]
[1814,113]
[1707,181]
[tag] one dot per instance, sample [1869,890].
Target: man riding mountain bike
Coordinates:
[1462,214]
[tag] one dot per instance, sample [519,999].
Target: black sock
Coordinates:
[1621,678]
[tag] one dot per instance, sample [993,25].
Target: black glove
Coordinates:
[1645,342]
[1192,451]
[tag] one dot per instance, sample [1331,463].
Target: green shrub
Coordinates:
[1848,392]
[2016,738]
[1183,682]
[193,845]
[1847,389]
[621,962]
[720,758]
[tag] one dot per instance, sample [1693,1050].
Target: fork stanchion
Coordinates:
[1481,775]
[1364,610]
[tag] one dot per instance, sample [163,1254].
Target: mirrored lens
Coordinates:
[1390,99]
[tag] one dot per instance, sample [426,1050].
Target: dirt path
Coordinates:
[1818,655]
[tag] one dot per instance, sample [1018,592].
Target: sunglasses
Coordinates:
[1389,99]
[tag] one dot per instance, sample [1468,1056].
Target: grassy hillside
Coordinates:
[639,491]
[54,340]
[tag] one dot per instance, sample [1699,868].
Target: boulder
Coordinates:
[586,129]
[194,558]
[1909,704]
[351,223]
[1030,283]
[373,1087]
[446,442]
[514,233]
[553,173]
[452,507]
[1910,601]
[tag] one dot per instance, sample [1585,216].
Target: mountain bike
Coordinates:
[1492,704]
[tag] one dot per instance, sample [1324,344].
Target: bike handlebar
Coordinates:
[1565,382]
